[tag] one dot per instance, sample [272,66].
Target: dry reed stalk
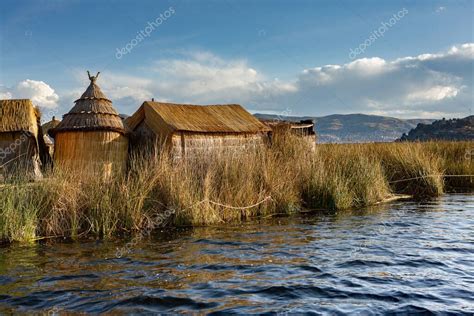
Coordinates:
[198,190]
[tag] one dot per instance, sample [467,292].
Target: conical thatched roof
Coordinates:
[91,112]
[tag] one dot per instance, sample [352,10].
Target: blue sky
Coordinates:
[289,57]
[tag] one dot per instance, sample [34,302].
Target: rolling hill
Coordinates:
[355,128]
[455,129]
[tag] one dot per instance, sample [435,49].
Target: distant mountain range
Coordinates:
[355,128]
[455,129]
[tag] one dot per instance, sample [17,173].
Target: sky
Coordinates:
[406,59]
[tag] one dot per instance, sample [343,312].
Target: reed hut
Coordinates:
[50,125]
[185,129]
[22,150]
[47,138]
[91,139]
[303,129]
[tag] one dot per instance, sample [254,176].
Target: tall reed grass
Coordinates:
[410,168]
[457,161]
[216,187]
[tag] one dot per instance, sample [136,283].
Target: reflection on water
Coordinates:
[402,257]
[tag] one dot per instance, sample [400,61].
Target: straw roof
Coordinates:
[18,115]
[290,124]
[92,111]
[50,125]
[229,118]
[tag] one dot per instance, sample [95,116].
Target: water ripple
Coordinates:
[403,258]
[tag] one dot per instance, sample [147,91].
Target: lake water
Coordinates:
[402,257]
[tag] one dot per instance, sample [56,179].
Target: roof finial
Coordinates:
[93,78]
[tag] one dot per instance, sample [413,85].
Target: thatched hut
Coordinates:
[50,125]
[47,138]
[183,129]
[91,138]
[303,129]
[22,150]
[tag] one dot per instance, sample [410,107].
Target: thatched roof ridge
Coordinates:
[91,112]
[18,115]
[219,118]
[290,124]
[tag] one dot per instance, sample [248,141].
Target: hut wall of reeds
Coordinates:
[91,139]
[303,129]
[184,129]
[22,149]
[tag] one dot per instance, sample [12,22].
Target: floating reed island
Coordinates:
[188,165]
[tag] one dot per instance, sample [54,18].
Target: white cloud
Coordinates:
[39,92]
[466,50]
[428,85]
[367,66]
[5,95]
[434,84]
[440,9]
[437,83]
[204,73]
[416,114]
[200,77]
[126,88]
[435,93]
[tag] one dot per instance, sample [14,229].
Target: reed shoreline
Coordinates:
[231,187]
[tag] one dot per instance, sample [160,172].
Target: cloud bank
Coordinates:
[428,85]
[40,93]
[431,85]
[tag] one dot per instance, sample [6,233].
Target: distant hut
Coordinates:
[47,138]
[91,138]
[22,150]
[303,129]
[183,129]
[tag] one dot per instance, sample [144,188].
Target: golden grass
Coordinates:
[410,168]
[457,158]
[288,177]
[342,178]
